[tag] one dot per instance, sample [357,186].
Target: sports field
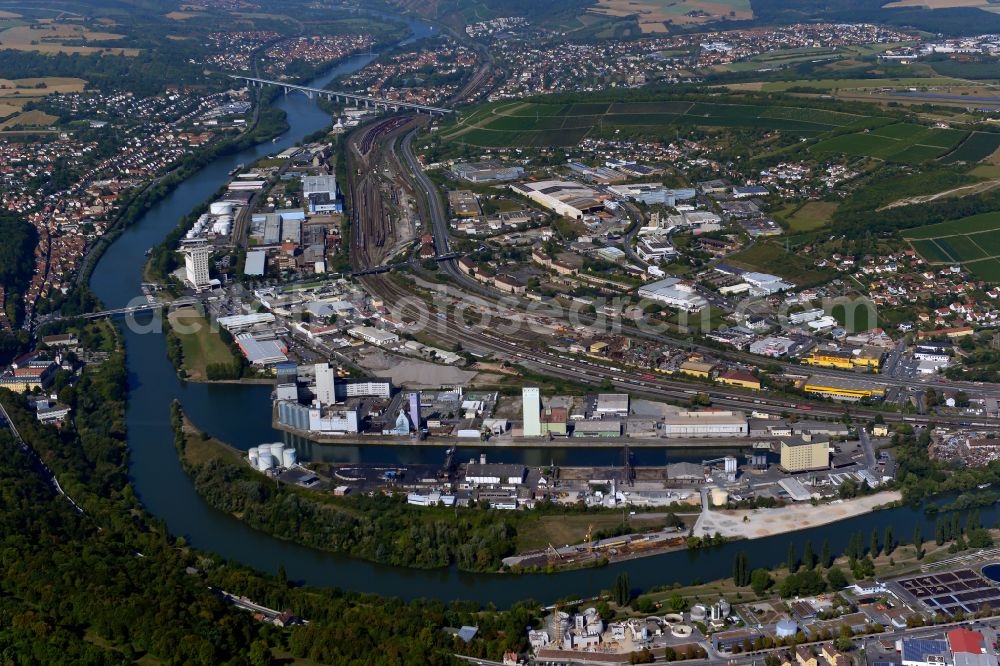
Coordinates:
[537,124]
[899,142]
[973,242]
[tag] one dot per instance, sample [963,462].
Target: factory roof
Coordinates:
[255,262]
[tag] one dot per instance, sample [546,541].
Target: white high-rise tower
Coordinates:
[196,265]
[532,405]
[325,384]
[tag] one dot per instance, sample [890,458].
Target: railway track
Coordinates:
[567,367]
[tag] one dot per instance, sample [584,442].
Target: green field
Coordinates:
[965,225]
[978,146]
[973,242]
[811,216]
[539,124]
[770,257]
[899,142]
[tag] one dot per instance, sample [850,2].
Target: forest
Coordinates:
[113,586]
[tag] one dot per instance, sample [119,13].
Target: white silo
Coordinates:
[220,208]
[289,457]
[253,455]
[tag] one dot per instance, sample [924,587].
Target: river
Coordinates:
[241,415]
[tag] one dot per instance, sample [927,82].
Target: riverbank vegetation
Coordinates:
[384,528]
[113,586]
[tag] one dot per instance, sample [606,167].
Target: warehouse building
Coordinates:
[805,452]
[612,404]
[843,389]
[492,474]
[706,424]
[601,428]
[674,292]
[373,336]
[563,197]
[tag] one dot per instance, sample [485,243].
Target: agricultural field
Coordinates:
[978,146]
[900,142]
[539,124]
[654,15]
[973,242]
[33,118]
[51,36]
[809,217]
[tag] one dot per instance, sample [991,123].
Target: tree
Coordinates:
[890,541]
[741,569]
[760,581]
[918,541]
[874,549]
[260,654]
[836,578]
[825,558]
[808,559]
[793,558]
[622,591]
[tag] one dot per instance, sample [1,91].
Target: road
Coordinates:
[866,444]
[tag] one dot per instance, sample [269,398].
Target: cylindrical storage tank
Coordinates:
[681,630]
[277,452]
[719,497]
[265,461]
[698,613]
[724,607]
[253,455]
[673,618]
[288,458]
[786,629]
[220,208]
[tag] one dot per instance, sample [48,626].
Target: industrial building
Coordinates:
[706,424]
[805,452]
[531,405]
[373,336]
[563,197]
[739,378]
[612,404]
[675,293]
[321,194]
[261,352]
[255,263]
[598,428]
[844,359]
[479,172]
[196,265]
[325,391]
[843,389]
[464,203]
[493,474]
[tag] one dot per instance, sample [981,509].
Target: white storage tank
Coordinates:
[699,612]
[265,461]
[220,208]
[289,457]
[253,455]
[786,629]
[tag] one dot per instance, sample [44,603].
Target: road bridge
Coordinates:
[336,95]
